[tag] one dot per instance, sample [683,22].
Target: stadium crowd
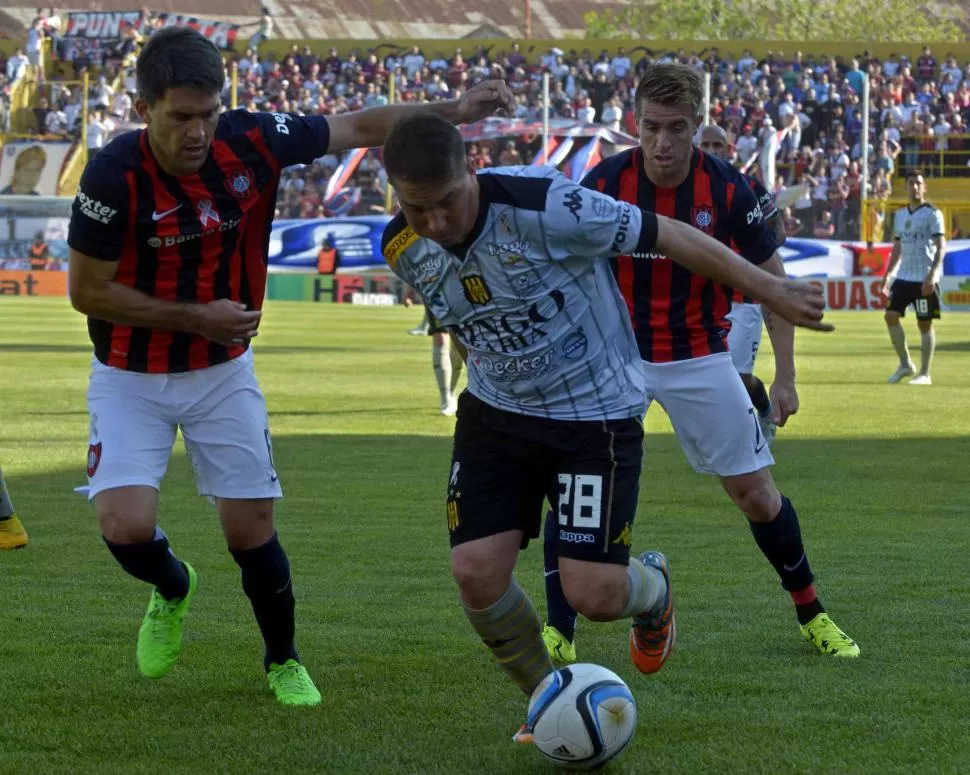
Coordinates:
[918,110]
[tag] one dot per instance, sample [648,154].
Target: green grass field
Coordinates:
[879,475]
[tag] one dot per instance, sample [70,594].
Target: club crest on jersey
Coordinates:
[476,291]
[241,185]
[206,213]
[94,458]
[703,218]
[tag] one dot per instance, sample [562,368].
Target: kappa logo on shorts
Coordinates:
[94,458]
[476,291]
[576,538]
[626,536]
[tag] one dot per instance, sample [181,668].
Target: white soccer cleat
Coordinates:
[450,408]
[902,372]
[921,379]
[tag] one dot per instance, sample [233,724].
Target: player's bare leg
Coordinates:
[128,520]
[774,524]
[251,536]
[12,533]
[898,337]
[927,348]
[457,365]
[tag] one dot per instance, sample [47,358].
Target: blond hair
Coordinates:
[670,84]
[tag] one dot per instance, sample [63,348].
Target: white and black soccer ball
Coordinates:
[582,716]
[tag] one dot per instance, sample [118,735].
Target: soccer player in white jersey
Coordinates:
[513,262]
[919,241]
[744,338]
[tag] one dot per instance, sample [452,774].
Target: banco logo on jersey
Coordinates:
[156,242]
[515,369]
[476,291]
[506,248]
[512,333]
[92,208]
[650,256]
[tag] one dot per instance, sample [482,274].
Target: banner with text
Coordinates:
[93,32]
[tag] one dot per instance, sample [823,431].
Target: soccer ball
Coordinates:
[582,716]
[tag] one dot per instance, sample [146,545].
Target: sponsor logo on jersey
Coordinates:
[571,537]
[281,119]
[623,218]
[575,345]
[241,185]
[504,248]
[754,215]
[603,207]
[515,369]
[429,268]
[178,239]
[93,209]
[396,247]
[625,537]
[512,332]
[650,256]
[476,291]
[573,201]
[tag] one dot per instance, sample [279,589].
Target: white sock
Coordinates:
[898,338]
[928,344]
[442,371]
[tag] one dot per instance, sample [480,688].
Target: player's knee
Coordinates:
[246,523]
[755,494]
[126,515]
[600,596]
[480,580]
[891,317]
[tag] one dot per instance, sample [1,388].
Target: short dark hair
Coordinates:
[915,174]
[423,148]
[178,57]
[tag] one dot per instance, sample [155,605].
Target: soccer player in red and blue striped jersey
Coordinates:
[168,241]
[680,323]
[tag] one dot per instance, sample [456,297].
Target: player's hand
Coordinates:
[784,401]
[228,322]
[799,302]
[929,287]
[483,100]
[884,291]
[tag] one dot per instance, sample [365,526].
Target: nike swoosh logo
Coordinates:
[549,573]
[273,478]
[800,561]
[157,216]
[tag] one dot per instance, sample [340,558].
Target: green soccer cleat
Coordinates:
[823,633]
[160,636]
[292,684]
[561,651]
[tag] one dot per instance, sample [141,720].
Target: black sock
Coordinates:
[154,562]
[267,583]
[560,614]
[759,396]
[781,543]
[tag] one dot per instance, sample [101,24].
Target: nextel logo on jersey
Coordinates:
[92,208]
[573,201]
[476,291]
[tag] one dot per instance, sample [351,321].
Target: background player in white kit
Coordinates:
[919,240]
[744,339]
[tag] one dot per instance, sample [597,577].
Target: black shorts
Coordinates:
[434,325]
[504,465]
[906,292]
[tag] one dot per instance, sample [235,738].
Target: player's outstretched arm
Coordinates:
[94,292]
[801,303]
[369,128]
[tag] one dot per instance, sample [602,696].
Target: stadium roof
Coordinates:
[367,19]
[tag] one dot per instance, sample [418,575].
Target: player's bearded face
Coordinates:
[442,211]
[181,126]
[666,135]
